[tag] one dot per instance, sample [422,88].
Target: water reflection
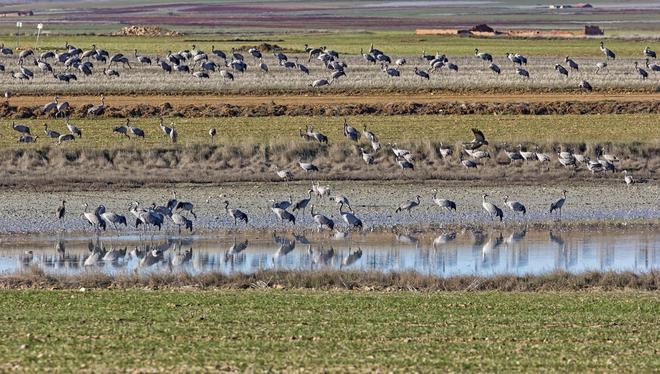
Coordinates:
[444,254]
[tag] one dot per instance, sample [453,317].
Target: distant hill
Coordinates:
[205,16]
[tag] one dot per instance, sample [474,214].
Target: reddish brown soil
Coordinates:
[304,105]
[352,98]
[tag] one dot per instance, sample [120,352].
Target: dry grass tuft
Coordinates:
[337,161]
[350,280]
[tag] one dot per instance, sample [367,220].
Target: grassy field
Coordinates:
[396,43]
[97,133]
[253,148]
[331,330]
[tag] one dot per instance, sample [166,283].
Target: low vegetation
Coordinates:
[450,129]
[34,277]
[397,43]
[228,330]
[252,149]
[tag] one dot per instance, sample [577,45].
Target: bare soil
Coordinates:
[349,97]
[301,105]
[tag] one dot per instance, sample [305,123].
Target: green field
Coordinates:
[338,331]
[396,43]
[97,133]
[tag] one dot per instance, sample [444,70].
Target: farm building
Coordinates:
[17,13]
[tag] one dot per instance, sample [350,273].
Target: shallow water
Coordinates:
[444,254]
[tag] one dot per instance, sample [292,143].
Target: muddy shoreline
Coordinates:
[589,206]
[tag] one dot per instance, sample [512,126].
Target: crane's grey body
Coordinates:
[443,203]
[283,215]
[284,204]
[236,214]
[409,205]
[302,204]
[180,220]
[349,218]
[557,205]
[492,209]
[515,206]
[322,221]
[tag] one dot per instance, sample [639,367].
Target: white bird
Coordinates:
[285,175]
[478,154]
[627,178]
[341,199]
[399,152]
[528,156]
[445,151]
[320,190]
[369,135]
[368,158]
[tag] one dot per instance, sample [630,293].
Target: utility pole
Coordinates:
[39,27]
[19,24]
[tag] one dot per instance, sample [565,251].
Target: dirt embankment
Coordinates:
[99,169]
[302,108]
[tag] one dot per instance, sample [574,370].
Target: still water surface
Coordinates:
[442,254]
